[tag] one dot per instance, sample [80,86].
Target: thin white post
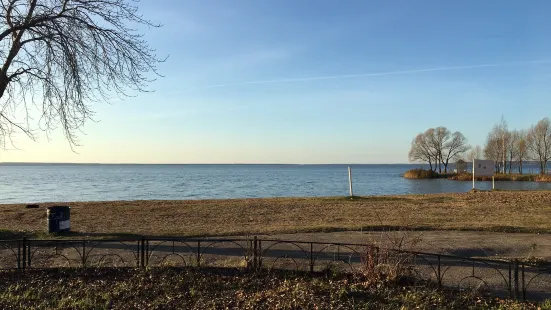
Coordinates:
[473,173]
[350,181]
[493,183]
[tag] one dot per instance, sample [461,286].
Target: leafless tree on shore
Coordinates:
[539,143]
[438,146]
[521,149]
[475,153]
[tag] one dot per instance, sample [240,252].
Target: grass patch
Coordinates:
[466,176]
[498,177]
[543,178]
[527,211]
[421,174]
[222,289]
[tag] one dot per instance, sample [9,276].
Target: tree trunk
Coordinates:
[504,153]
[3,84]
[520,166]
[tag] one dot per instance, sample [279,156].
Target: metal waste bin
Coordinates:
[59,219]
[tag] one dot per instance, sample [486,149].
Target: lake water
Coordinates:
[64,183]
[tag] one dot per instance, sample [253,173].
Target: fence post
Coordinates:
[510,281]
[439,273]
[83,253]
[259,254]
[255,254]
[142,253]
[24,253]
[311,257]
[198,253]
[523,287]
[28,253]
[146,252]
[516,287]
[18,254]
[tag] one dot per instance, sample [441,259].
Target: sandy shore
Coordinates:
[501,211]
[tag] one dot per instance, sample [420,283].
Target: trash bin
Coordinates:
[59,219]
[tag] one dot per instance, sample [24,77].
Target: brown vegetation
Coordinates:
[518,211]
[420,174]
[222,289]
[467,176]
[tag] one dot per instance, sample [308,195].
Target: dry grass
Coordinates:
[519,211]
[420,174]
[502,177]
[543,178]
[466,176]
[224,289]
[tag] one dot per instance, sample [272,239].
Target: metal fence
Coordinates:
[512,279]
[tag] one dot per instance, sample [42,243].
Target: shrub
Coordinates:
[420,174]
[543,178]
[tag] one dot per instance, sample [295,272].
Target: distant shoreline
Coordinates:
[420,174]
[527,163]
[186,164]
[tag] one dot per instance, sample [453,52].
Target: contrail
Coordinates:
[352,76]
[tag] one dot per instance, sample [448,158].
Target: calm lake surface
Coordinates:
[59,183]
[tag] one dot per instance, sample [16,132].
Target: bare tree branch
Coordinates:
[59,57]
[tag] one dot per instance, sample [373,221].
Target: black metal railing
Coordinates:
[514,279]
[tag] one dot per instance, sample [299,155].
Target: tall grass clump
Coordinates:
[543,178]
[420,174]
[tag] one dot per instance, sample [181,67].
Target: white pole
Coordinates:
[473,173]
[493,183]
[350,181]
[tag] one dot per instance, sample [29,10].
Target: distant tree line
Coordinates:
[438,146]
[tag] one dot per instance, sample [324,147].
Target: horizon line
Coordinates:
[297,164]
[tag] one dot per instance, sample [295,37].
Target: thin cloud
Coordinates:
[361,75]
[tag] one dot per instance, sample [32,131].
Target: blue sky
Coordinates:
[319,81]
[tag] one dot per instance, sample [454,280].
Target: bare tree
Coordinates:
[454,148]
[521,149]
[475,153]
[437,138]
[492,149]
[513,138]
[421,151]
[497,144]
[60,56]
[438,146]
[539,143]
[503,133]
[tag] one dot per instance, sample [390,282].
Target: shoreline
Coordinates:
[421,174]
[44,204]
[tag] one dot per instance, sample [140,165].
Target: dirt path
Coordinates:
[460,243]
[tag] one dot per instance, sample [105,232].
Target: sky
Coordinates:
[304,81]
